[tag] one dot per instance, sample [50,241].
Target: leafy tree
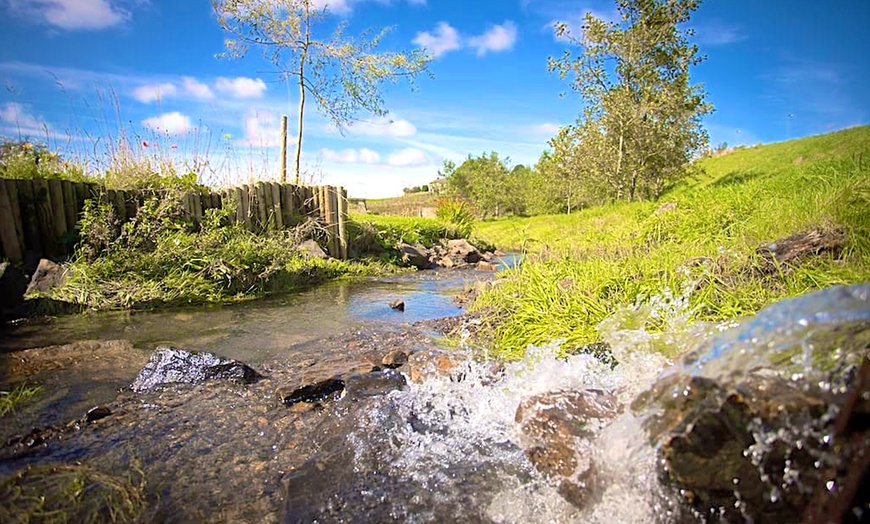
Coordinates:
[641,124]
[484,180]
[342,73]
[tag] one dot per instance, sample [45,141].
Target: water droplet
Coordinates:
[830,485]
[735,481]
[826,439]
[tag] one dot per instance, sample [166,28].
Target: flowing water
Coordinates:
[446,449]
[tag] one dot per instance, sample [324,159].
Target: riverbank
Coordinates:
[721,244]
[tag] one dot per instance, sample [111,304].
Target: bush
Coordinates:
[457,212]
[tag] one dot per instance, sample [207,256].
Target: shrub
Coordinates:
[457,212]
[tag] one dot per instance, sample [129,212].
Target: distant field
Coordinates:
[413,205]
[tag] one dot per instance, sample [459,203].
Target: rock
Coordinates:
[428,363]
[169,365]
[416,255]
[310,391]
[793,249]
[666,207]
[557,429]
[97,413]
[311,250]
[708,436]
[394,359]
[447,262]
[398,305]
[47,276]
[486,266]
[373,384]
[13,285]
[464,249]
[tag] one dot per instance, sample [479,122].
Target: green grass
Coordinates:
[405,205]
[22,393]
[583,267]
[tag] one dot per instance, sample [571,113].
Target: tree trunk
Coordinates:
[299,123]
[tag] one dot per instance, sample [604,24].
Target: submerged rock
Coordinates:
[169,365]
[395,359]
[557,429]
[373,384]
[398,305]
[310,391]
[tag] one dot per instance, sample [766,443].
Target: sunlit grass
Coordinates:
[582,267]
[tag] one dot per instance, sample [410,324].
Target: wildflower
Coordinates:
[144,143]
[173,146]
[27,146]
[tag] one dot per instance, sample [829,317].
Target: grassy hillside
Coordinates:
[585,266]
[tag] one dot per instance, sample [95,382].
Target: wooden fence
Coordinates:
[38,217]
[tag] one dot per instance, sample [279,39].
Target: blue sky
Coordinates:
[79,74]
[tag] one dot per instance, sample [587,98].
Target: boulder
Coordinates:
[464,249]
[311,250]
[169,365]
[398,305]
[416,255]
[47,276]
[556,433]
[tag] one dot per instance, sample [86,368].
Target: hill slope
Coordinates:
[704,239]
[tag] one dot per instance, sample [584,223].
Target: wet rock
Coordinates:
[398,305]
[428,363]
[716,439]
[373,384]
[486,266]
[47,276]
[169,365]
[557,429]
[455,254]
[416,255]
[394,359]
[96,413]
[310,391]
[311,249]
[13,284]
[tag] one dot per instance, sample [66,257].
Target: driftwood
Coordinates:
[792,250]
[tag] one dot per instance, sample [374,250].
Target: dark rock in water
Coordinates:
[395,359]
[709,442]
[557,428]
[169,365]
[398,305]
[416,255]
[97,413]
[47,276]
[13,284]
[373,384]
[310,391]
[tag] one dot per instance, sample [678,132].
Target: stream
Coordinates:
[456,446]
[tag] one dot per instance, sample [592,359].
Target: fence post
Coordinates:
[275,189]
[342,222]
[8,237]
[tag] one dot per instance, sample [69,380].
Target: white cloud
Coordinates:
[546,128]
[72,14]
[173,123]
[196,89]
[716,33]
[408,157]
[241,87]
[262,129]
[351,156]
[498,38]
[152,92]
[444,39]
[17,118]
[384,126]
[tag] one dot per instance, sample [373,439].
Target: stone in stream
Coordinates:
[398,305]
[416,255]
[373,384]
[311,390]
[169,365]
[395,359]
[556,432]
[428,363]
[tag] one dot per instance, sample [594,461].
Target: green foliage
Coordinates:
[582,268]
[21,393]
[23,159]
[457,212]
[487,181]
[641,124]
[342,73]
[160,257]
[388,231]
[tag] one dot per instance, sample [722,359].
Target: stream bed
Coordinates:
[473,443]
